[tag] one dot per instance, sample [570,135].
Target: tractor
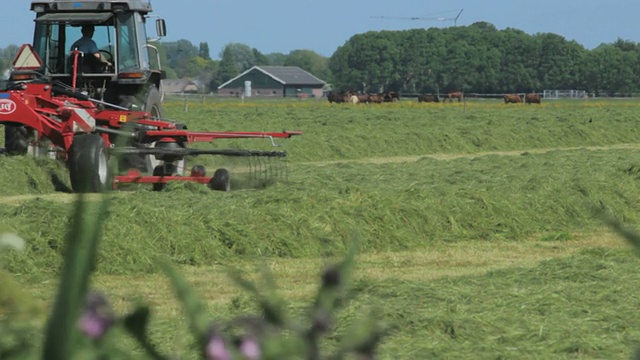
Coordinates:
[61,102]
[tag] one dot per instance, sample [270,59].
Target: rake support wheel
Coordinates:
[163,170]
[220,180]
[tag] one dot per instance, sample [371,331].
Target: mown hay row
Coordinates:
[321,209]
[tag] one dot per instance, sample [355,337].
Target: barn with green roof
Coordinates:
[273,81]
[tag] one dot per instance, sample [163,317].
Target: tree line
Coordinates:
[476,58]
[481,59]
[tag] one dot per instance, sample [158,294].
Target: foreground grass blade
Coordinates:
[272,307]
[136,323]
[80,256]
[193,307]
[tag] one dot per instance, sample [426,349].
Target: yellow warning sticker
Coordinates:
[123,118]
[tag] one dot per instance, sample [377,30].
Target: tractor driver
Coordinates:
[87,46]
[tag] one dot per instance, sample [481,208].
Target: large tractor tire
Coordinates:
[16,139]
[88,164]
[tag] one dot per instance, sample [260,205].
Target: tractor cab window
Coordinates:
[103,37]
[49,45]
[56,33]
[120,39]
[128,52]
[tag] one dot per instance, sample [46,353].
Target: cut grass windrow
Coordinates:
[321,209]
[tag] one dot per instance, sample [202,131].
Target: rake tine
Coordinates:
[258,170]
[286,169]
[275,165]
[271,168]
[251,174]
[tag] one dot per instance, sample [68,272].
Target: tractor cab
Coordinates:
[120,36]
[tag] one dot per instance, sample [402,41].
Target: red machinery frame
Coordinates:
[59,118]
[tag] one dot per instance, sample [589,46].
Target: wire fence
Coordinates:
[195,98]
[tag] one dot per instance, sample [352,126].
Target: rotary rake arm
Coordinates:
[194,152]
[171,146]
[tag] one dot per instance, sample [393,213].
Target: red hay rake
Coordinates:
[54,118]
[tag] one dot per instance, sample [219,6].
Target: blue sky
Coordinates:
[324,25]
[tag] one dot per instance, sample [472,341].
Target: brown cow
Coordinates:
[376,98]
[390,96]
[363,98]
[454,95]
[428,98]
[532,98]
[334,97]
[512,98]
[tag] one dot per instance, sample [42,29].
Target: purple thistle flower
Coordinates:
[217,349]
[98,316]
[250,348]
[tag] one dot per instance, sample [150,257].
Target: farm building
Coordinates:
[180,86]
[273,81]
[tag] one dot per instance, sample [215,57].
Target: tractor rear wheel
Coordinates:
[220,180]
[16,139]
[88,164]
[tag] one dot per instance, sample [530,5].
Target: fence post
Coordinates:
[203,99]
[186,104]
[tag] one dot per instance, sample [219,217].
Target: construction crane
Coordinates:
[439,18]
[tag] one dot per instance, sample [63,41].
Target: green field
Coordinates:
[478,225]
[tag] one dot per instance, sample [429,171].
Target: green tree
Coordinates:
[277,59]
[367,62]
[8,54]
[203,51]
[202,70]
[480,69]
[559,61]
[310,61]
[609,71]
[227,69]
[518,64]
[242,54]
[179,51]
[416,68]
[259,58]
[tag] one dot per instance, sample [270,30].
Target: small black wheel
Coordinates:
[16,139]
[198,170]
[88,164]
[163,170]
[220,180]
